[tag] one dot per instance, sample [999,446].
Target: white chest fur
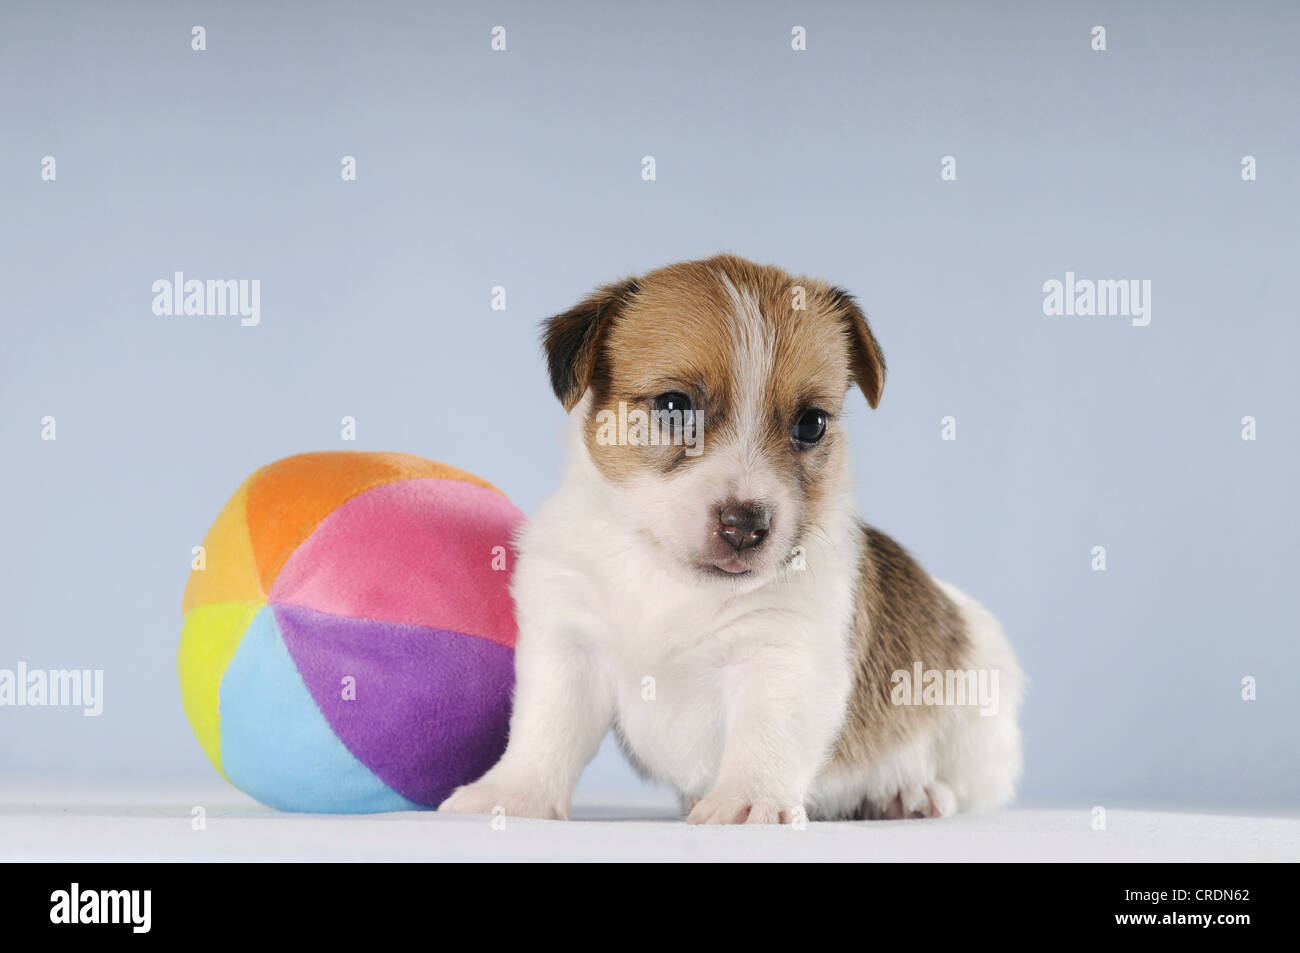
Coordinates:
[670,655]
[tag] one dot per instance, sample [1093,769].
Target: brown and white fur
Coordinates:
[756,682]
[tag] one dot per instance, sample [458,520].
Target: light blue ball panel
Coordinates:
[275,743]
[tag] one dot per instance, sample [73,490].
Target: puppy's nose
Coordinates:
[743,524]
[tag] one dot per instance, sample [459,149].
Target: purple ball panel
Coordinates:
[432,708]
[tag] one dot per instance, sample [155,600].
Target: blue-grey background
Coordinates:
[523,169]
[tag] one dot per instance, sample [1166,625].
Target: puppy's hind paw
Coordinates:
[937,800]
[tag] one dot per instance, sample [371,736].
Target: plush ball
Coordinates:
[348,638]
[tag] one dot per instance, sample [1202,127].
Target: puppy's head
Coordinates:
[716,394]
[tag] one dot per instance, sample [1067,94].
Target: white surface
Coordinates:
[38,825]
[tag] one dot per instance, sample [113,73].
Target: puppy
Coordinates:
[706,588]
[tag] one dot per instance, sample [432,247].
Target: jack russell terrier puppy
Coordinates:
[701,581]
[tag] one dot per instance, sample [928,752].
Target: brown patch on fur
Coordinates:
[675,330]
[902,617]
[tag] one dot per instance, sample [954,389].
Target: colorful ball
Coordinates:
[348,638]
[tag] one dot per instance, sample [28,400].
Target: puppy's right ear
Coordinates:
[571,339]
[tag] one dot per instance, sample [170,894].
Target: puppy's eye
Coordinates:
[811,426]
[674,403]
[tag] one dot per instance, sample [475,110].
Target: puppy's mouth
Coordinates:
[726,567]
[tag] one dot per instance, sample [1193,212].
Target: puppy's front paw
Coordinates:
[727,808]
[487,797]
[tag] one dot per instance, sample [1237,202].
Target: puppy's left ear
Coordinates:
[571,340]
[866,359]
